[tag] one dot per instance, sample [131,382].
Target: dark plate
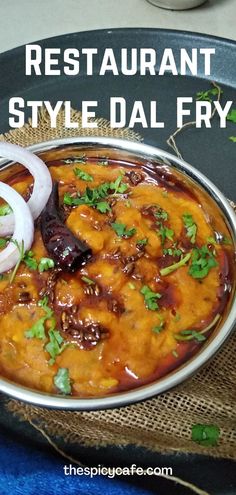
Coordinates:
[209,150]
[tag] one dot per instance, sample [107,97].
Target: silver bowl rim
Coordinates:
[185,371]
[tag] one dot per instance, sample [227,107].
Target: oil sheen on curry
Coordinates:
[128,274]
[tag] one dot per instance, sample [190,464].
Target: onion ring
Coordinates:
[42,183]
[24,227]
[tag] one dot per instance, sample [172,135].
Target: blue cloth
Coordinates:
[25,470]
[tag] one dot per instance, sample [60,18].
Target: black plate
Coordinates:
[209,150]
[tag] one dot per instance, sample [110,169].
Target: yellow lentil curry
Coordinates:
[156,282]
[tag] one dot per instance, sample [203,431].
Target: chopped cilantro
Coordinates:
[202,261]
[30,260]
[150,298]
[68,199]
[172,252]
[3,242]
[103,206]
[43,303]
[93,197]
[161,214]
[122,231]
[190,335]
[232,115]
[207,95]
[118,186]
[211,240]
[62,381]
[190,226]
[165,233]
[82,175]
[38,329]
[169,269]
[53,347]
[142,242]
[45,264]
[206,435]
[5,210]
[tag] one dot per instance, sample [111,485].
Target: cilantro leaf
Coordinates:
[118,186]
[172,252]
[68,199]
[53,347]
[103,206]
[122,231]
[93,197]
[45,264]
[62,381]
[3,242]
[207,95]
[5,210]
[161,214]
[232,115]
[142,242]
[82,175]
[165,233]
[30,260]
[150,298]
[206,435]
[190,226]
[43,303]
[211,240]
[169,269]
[37,330]
[202,261]
[233,139]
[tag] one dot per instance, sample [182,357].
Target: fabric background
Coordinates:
[26,471]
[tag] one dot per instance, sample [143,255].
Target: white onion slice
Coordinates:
[23,231]
[42,182]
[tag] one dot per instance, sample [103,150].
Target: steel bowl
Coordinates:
[137,153]
[177,4]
